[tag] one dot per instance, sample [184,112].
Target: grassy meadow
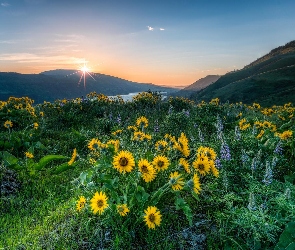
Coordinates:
[100,173]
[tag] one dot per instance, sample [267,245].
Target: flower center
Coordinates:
[160,164]
[100,203]
[201,167]
[152,218]
[144,169]
[123,161]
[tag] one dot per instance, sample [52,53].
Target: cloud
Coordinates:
[5,4]
[150,28]
[162,29]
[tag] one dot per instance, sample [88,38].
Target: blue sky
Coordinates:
[164,42]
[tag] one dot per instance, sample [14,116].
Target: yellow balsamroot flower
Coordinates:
[214,171]
[256,105]
[99,203]
[81,203]
[115,143]
[285,135]
[161,163]
[36,125]
[122,209]
[260,134]
[176,181]
[8,124]
[124,161]
[147,170]
[184,163]
[194,184]
[119,131]
[94,144]
[182,145]
[142,122]
[207,151]
[161,145]
[29,155]
[152,217]
[92,161]
[202,165]
[132,128]
[73,157]
[41,113]
[243,124]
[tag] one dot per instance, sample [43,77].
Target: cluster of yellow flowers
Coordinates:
[147,97]
[14,103]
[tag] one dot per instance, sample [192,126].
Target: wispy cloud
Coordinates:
[150,28]
[5,4]
[162,29]
[7,41]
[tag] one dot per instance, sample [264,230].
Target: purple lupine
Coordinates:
[170,111]
[244,156]
[156,127]
[225,151]
[268,177]
[195,125]
[217,163]
[201,137]
[119,119]
[186,112]
[254,163]
[111,116]
[278,150]
[219,127]
[252,204]
[237,133]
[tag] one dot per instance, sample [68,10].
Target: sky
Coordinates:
[165,42]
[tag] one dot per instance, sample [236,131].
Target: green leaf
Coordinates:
[46,159]
[9,159]
[141,195]
[181,204]
[64,167]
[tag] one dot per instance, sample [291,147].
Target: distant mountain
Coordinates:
[197,86]
[60,84]
[268,80]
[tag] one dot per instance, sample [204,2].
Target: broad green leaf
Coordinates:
[46,159]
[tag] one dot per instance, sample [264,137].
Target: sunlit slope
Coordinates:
[269,79]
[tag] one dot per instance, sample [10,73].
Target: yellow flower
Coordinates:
[122,209]
[161,162]
[8,124]
[243,125]
[94,144]
[132,128]
[184,163]
[176,181]
[29,155]
[215,171]
[117,132]
[152,217]
[207,151]
[81,203]
[202,164]
[92,161]
[41,113]
[147,170]
[142,122]
[182,145]
[124,161]
[73,157]
[260,134]
[115,143]
[194,184]
[285,135]
[161,145]
[99,202]
[36,125]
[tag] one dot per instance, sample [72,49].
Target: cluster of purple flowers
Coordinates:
[218,164]
[225,151]
[119,119]
[156,127]
[201,137]
[278,150]
[237,133]
[268,177]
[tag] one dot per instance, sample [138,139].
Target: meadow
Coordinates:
[101,173]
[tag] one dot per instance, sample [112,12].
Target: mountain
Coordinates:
[60,84]
[197,86]
[268,80]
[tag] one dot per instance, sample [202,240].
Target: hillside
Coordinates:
[60,84]
[269,79]
[197,86]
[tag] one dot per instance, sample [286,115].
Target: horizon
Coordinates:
[167,43]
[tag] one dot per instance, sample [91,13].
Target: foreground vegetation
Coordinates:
[148,174]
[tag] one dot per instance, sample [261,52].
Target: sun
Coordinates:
[84,69]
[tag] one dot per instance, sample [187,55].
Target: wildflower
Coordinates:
[285,135]
[184,163]
[260,134]
[217,163]
[225,152]
[124,161]
[243,124]
[122,209]
[237,133]
[92,161]
[152,217]
[36,125]
[215,171]
[252,204]
[201,137]
[182,145]
[119,131]
[161,145]
[94,144]
[219,127]
[268,174]
[176,181]
[29,155]
[8,124]
[147,170]
[119,119]
[73,157]
[114,143]
[142,122]
[81,203]
[194,184]
[161,162]
[288,193]
[132,128]
[99,202]
[202,165]
[41,113]
[156,127]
